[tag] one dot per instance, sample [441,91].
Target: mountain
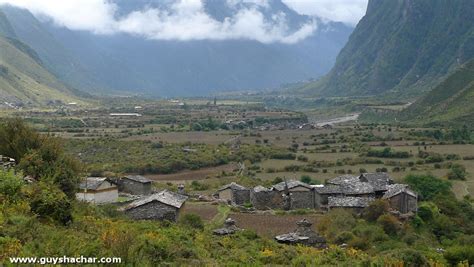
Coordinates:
[23,79]
[449,102]
[401,48]
[123,62]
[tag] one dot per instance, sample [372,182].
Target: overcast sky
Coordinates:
[187,20]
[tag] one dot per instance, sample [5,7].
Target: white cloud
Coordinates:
[187,20]
[190,22]
[90,15]
[184,20]
[346,11]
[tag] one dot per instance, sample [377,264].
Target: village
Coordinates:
[353,193]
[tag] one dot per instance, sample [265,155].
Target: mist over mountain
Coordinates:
[241,45]
[401,48]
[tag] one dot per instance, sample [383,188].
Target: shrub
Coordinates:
[428,186]
[457,172]
[199,186]
[47,201]
[458,254]
[375,210]
[344,237]
[277,180]
[427,211]
[410,257]
[192,221]
[306,179]
[389,223]
[10,185]
[336,221]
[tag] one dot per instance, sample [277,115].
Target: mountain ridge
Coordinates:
[23,79]
[449,102]
[402,48]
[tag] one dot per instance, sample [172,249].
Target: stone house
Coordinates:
[356,204]
[301,195]
[263,198]
[379,181]
[164,205]
[401,198]
[6,162]
[97,190]
[322,194]
[234,193]
[135,185]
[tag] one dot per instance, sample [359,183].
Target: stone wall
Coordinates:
[264,200]
[134,188]
[241,197]
[153,211]
[302,200]
[404,203]
[225,194]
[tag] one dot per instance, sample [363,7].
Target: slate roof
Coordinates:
[358,188]
[92,183]
[349,202]
[355,188]
[343,179]
[260,188]
[330,189]
[233,186]
[395,189]
[291,184]
[166,197]
[138,178]
[379,180]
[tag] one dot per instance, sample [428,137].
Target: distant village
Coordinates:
[353,192]
[343,192]
[350,192]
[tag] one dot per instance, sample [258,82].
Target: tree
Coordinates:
[375,210]
[428,186]
[16,139]
[306,179]
[10,185]
[389,223]
[51,163]
[40,156]
[457,172]
[48,201]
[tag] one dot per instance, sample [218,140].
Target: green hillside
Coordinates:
[449,102]
[23,79]
[401,49]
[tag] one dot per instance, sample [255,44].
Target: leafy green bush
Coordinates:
[458,254]
[389,223]
[47,201]
[197,186]
[375,210]
[428,186]
[457,172]
[192,220]
[10,185]
[387,153]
